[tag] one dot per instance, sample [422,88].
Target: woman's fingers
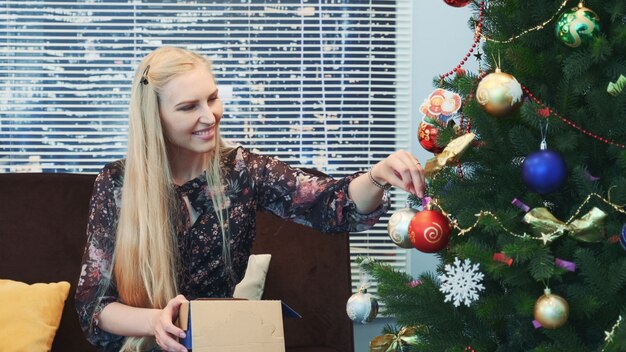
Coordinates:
[416,172]
[170,313]
[166,332]
[401,169]
[168,342]
[173,330]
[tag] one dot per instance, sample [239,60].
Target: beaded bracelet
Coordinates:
[376,183]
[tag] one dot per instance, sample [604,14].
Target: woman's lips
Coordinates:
[205,134]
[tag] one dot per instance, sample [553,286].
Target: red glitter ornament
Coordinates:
[457,3]
[429,231]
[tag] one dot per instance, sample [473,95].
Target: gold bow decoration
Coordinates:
[407,336]
[589,228]
[450,154]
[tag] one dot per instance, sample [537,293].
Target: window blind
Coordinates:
[323,84]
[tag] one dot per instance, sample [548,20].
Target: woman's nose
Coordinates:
[206,115]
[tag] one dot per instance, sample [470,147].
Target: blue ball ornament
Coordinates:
[622,237]
[544,171]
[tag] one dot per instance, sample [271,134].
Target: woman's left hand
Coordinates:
[401,169]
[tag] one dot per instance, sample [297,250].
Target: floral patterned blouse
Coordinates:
[252,182]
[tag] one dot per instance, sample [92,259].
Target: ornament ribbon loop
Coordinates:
[407,336]
[450,155]
[589,228]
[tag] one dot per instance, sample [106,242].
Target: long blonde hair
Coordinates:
[146,254]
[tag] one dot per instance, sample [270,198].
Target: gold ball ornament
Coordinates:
[551,310]
[499,93]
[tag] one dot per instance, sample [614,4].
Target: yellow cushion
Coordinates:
[30,314]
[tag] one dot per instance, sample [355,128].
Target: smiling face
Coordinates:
[190,111]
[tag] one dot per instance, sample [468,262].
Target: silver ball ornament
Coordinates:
[362,307]
[398,227]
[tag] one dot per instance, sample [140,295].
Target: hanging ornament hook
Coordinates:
[364,277]
[544,135]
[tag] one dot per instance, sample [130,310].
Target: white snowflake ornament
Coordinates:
[461,282]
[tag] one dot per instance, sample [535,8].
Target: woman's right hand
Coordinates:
[164,329]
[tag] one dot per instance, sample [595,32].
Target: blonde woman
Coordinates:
[175,220]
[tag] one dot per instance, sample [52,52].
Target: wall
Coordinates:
[441,38]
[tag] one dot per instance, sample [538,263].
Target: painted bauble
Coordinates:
[429,231]
[499,94]
[577,26]
[427,136]
[544,171]
[398,227]
[362,307]
[457,3]
[551,310]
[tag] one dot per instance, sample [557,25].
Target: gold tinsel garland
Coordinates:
[532,29]
[545,237]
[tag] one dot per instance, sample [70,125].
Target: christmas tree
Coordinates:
[532,186]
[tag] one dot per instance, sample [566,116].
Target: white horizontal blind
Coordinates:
[318,83]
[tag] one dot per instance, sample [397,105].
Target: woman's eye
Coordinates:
[187,107]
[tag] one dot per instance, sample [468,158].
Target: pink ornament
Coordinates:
[414,283]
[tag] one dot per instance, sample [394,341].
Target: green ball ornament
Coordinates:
[577,26]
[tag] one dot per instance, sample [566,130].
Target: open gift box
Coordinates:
[234,325]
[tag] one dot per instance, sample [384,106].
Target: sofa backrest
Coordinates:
[43,218]
[310,271]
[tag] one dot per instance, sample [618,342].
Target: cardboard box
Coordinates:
[234,325]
